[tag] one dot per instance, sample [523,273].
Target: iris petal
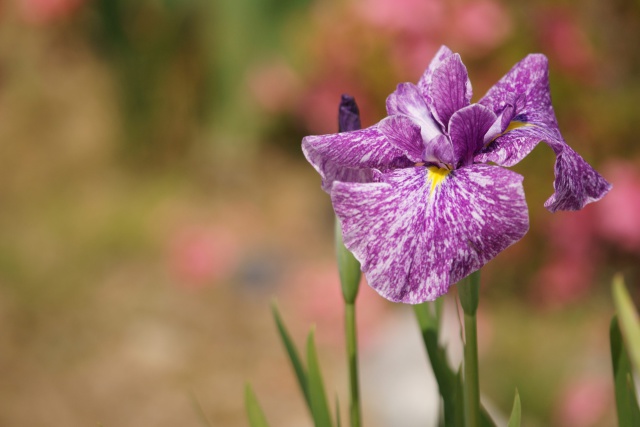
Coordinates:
[405,134]
[450,89]
[525,88]
[576,182]
[467,128]
[350,156]
[425,80]
[406,100]
[413,243]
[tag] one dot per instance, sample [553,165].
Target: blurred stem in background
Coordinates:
[160,60]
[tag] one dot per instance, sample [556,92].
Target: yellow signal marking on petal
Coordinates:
[515,125]
[436,175]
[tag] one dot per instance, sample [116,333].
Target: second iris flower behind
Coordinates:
[419,206]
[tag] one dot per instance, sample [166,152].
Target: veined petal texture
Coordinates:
[450,89]
[527,81]
[350,156]
[415,233]
[576,183]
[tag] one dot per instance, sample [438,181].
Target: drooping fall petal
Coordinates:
[420,230]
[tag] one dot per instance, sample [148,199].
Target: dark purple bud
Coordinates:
[348,114]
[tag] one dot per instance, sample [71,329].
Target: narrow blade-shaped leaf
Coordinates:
[485,419]
[628,318]
[317,395]
[254,412]
[292,352]
[514,419]
[625,392]
[338,421]
[428,315]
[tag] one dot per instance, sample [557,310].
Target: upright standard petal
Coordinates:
[405,134]
[467,128]
[421,230]
[351,156]
[450,89]
[406,100]
[425,80]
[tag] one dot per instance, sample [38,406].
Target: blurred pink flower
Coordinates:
[566,40]
[585,402]
[412,16]
[200,255]
[618,214]
[573,256]
[480,25]
[45,11]
[563,280]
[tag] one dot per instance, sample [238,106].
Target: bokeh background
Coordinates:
[154,199]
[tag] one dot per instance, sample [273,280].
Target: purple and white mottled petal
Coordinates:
[526,88]
[503,120]
[414,243]
[406,100]
[467,129]
[405,134]
[576,183]
[511,147]
[425,80]
[348,114]
[530,77]
[450,89]
[439,151]
[347,156]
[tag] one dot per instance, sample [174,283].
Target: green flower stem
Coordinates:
[469,298]
[471,377]
[352,354]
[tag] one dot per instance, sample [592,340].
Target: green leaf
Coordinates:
[256,416]
[428,320]
[449,382]
[338,422]
[485,419]
[629,323]
[298,367]
[319,405]
[625,392]
[514,419]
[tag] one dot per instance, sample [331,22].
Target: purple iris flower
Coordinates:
[419,205]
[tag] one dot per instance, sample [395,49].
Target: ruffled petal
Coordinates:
[467,129]
[524,92]
[351,156]
[576,184]
[407,101]
[418,232]
[450,89]
[405,134]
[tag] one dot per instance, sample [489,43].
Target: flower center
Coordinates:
[436,175]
